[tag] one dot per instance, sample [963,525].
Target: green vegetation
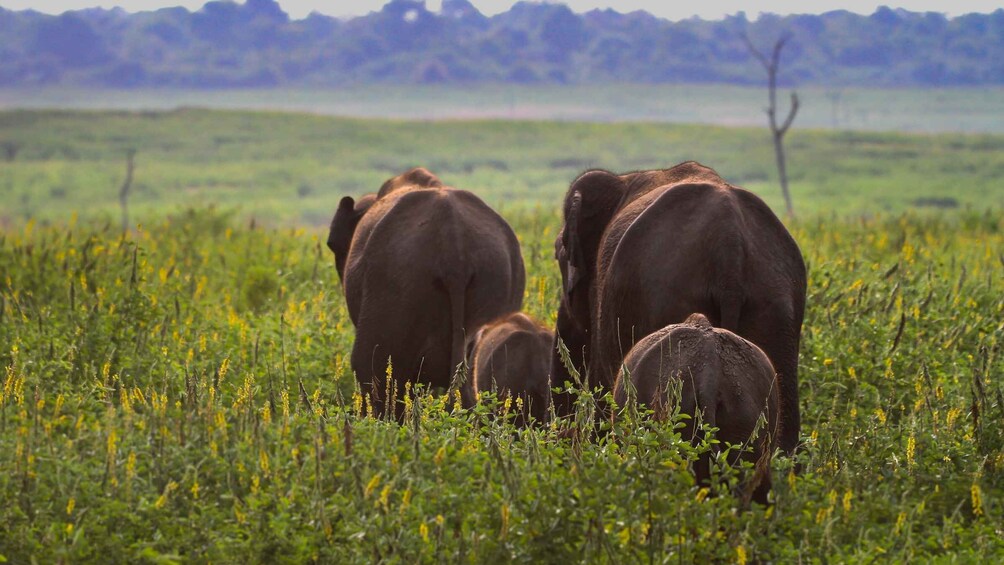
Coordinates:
[291,169]
[182,393]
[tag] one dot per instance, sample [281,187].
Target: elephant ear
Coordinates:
[590,204]
[343,227]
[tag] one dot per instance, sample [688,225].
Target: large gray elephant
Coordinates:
[422,264]
[643,250]
[724,378]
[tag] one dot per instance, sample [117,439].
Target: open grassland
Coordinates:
[182,393]
[291,169]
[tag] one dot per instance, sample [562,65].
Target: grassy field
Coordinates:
[182,394]
[919,110]
[289,169]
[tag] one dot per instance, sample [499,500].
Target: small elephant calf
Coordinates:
[512,357]
[725,377]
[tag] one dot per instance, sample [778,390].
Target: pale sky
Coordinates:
[708,9]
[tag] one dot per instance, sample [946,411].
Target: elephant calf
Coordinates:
[512,356]
[725,377]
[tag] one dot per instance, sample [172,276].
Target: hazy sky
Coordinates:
[708,9]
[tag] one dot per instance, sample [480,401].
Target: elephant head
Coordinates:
[343,227]
[590,204]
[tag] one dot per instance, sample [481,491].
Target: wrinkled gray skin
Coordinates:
[512,357]
[643,250]
[724,377]
[422,265]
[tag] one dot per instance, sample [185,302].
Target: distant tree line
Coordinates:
[256,44]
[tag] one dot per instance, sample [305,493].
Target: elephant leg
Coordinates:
[775,330]
[369,362]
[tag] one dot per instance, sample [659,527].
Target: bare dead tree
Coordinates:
[124,191]
[771,65]
[835,97]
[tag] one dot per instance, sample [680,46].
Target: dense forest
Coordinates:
[256,44]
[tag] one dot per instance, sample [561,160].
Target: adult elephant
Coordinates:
[643,250]
[422,264]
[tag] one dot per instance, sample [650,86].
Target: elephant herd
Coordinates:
[667,275]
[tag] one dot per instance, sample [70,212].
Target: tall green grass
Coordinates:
[181,394]
[287,169]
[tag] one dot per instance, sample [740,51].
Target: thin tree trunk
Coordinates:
[124,191]
[782,171]
[777,132]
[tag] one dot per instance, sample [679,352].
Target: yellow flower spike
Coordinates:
[112,443]
[263,462]
[405,501]
[821,515]
[357,403]
[130,466]
[384,497]
[900,520]
[266,414]
[372,485]
[438,457]
[69,506]
[162,499]
[702,494]
[238,514]
[880,414]
[195,490]
[423,530]
[977,499]
[848,496]
[911,449]
[741,555]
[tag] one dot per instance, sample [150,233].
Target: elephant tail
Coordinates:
[460,376]
[729,292]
